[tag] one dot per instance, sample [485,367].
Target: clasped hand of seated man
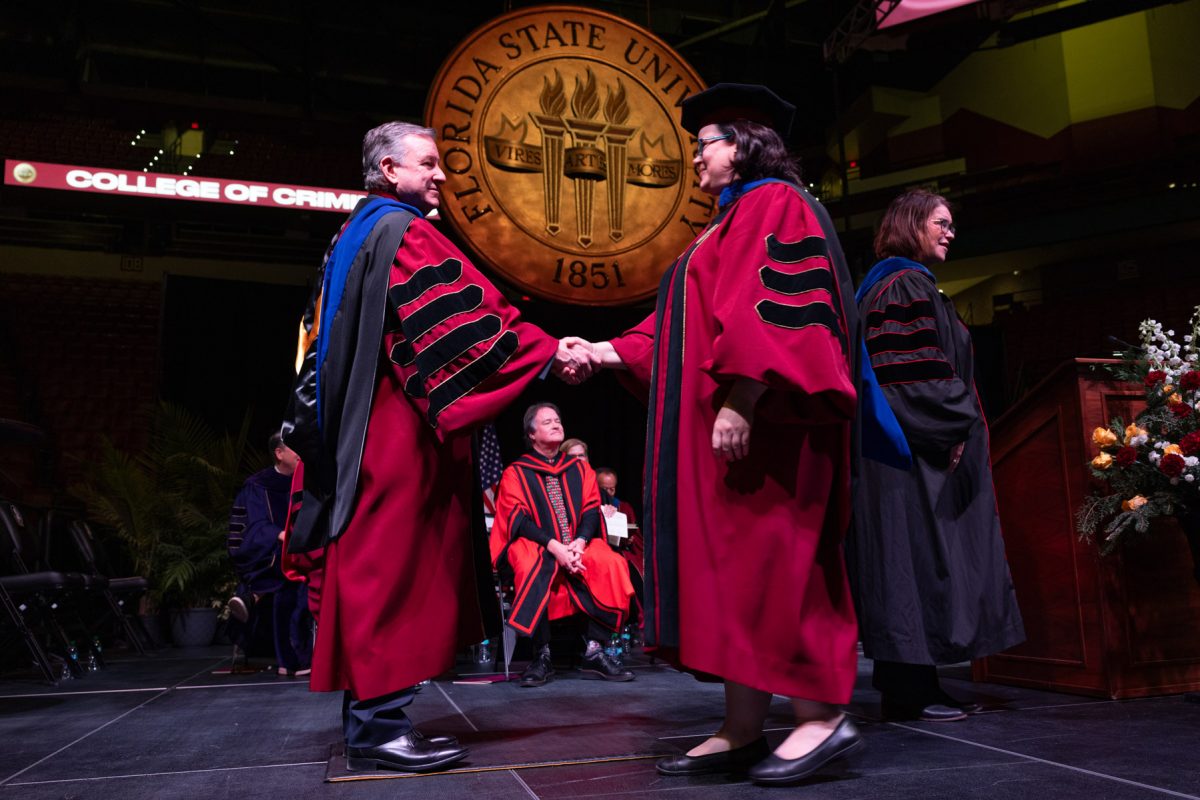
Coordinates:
[569,556]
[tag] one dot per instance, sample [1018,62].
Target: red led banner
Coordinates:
[40,175]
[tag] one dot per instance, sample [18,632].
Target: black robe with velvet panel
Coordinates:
[926,559]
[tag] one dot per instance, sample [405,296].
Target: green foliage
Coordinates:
[170,503]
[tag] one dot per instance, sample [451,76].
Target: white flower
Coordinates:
[1153,457]
[1189,477]
[1191,461]
[1140,441]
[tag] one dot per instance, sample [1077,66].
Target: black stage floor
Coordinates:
[171,726]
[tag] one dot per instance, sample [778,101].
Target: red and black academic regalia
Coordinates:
[527,520]
[926,558]
[744,569]
[422,349]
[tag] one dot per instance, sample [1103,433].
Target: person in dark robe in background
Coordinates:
[632,548]
[256,525]
[927,564]
[747,488]
[548,530]
[406,349]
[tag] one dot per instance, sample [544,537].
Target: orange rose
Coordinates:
[1174,399]
[1133,431]
[1133,503]
[1168,388]
[1102,461]
[1172,448]
[1103,437]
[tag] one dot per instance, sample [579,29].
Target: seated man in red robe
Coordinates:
[548,528]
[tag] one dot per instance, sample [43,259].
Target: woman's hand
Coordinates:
[731,431]
[731,435]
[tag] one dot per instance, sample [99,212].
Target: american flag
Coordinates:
[490,468]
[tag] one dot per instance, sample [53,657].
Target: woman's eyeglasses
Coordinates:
[945,225]
[700,143]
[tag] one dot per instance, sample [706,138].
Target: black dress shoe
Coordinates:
[966,706]
[411,752]
[539,670]
[776,771]
[600,666]
[934,712]
[739,759]
[436,740]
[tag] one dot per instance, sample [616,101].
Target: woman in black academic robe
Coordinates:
[927,565]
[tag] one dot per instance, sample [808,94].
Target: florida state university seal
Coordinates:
[567,171]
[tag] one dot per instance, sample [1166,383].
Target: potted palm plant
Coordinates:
[169,506]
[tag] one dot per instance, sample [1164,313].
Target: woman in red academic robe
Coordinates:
[749,362]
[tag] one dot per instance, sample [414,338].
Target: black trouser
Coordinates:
[913,685]
[594,631]
[376,720]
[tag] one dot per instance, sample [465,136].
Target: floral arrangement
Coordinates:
[1152,465]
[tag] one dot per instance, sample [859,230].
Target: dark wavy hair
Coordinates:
[761,152]
[900,229]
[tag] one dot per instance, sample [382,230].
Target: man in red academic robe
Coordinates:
[548,530]
[406,348]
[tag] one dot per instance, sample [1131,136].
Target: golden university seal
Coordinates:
[566,167]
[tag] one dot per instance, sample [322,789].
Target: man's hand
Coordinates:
[575,361]
[608,510]
[567,558]
[577,546]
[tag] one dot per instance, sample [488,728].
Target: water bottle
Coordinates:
[614,649]
[483,652]
[626,641]
[93,663]
[72,658]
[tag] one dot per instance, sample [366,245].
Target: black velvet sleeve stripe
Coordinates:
[903,342]
[794,252]
[402,353]
[458,341]
[413,387]
[914,372]
[794,317]
[472,375]
[901,314]
[796,283]
[435,312]
[423,280]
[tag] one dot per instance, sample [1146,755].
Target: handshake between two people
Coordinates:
[578,359]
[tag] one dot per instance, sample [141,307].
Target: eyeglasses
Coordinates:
[700,143]
[946,225]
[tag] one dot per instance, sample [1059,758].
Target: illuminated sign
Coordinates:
[40,175]
[908,10]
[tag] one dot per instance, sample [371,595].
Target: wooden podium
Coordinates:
[1123,625]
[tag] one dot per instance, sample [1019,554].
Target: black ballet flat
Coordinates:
[737,760]
[776,771]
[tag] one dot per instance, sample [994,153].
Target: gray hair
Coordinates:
[531,413]
[387,140]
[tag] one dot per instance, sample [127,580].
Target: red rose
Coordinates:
[1190,381]
[1190,444]
[1181,410]
[1172,465]
[1154,376]
[1127,455]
